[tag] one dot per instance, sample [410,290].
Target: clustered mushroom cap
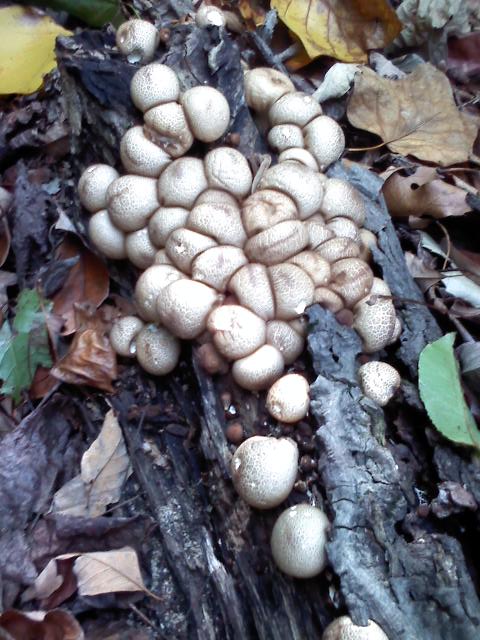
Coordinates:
[343,629]
[259,369]
[131,200]
[208,15]
[298,154]
[284,337]
[150,285]
[227,169]
[137,40]
[123,334]
[141,156]
[263,87]
[93,186]
[288,398]
[295,108]
[140,250]
[158,350]
[166,125]
[298,541]
[106,237]
[264,470]
[182,182]
[379,381]
[237,332]
[154,84]
[207,112]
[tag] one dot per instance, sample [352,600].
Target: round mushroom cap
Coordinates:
[167,127]
[343,629]
[328,299]
[264,470]
[164,221]
[183,246]
[131,200]
[182,182]
[158,350]
[106,237]
[228,169]
[379,381]
[217,265]
[237,332]
[337,248]
[277,243]
[312,263]
[137,40]
[207,112]
[93,186]
[149,286]
[266,208]
[352,279]
[285,136]
[294,108]
[325,140]
[259,369]
[154,84]
[293,290]
[140,250]
[123,334]
[251,285]
[283,337]
[298,154]
[141,156]
[298,541]
[375,322]
[183,307]
[263,86]
[216,196]
[344,228]
[342,199]
[161,257]
[208,15]
[222,222]
[288,398]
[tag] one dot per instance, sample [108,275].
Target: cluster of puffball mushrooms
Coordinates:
[232,260]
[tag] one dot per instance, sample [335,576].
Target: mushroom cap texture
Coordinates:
[264,470]
[208,15]
[263,86]
[228,169]
[343,629]
[292,290]
[123,334]
[298,541]
[379,381]
[207,112]
[285,136]
[150,284]
[138,40]
[288,398]
[266,208]
[294,108]
[375,322]
[140,250]
[166,125]
[93,186]
[277,243]
[340,198]
[154,84]
[106,237]
[131,200]
[158,350]
[182,182]
[237,332]
[282,336]
[251,285]
[325,140]
[260,369]
[142,156]
[298,154]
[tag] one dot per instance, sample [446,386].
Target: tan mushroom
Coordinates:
[123,335]
[149,286]
[93,186]
[294,108]
[140,250]
[325,140]
[167,127]
[181,183]
[263,86]
[158,350]
[141,156]
[106,237]
[207,112]
[137,40]
[288,398]
[131,200]
[236,331]
[260,369]
[343,629]
[379,381]
[154,84]
[228,169]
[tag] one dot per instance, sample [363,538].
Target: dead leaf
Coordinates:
[467,261]
[424,275]
[423,193]
[414,115]
[337,81]
[105,467]
[343,29]
[47,625]
[88,281]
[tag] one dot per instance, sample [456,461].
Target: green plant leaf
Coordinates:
[442,394]
[95,13]
[26,347]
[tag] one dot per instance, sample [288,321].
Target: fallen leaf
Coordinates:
[424,276]
[88,281]
[27,49]
[467,261]
[414,115]
[343,29]
[423,193]
[105,467]
[45,625]
[337,81]
[460,286]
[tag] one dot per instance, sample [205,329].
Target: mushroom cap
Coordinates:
[140,250]
[266,208]
[367,241]
[207,112]
[343,629]
[140,155]
[325,140]
[131,200]
[183,246]
[337,248]
[375,322]
[222,222]
[158,350]
[208,15]
[298,154]
[298,541]
[217,265]
[106,237]
[183,307]
[167,127]
[149,286]
[161,257]
[228,169]
[137,40]
[314,265]
[164,221]
[264,470]
[182,182]
[93,186]
[277,243]
[216,196]
[259,369]
[123,334]
[285,136]
[283,337]
[344,228]
[317,233]
[288,398]
[352,279]
[154,84]
[379,381]
[263,86]
[251,285]
[328,299]
[340,198]
[237,332]
[294,108]
[302,184]
[293,290]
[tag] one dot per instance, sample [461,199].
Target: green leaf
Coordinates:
[26,347]
[95,13]
[442,394]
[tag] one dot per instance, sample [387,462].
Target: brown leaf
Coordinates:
[88,281]
[41,625]
[423,193]
[424,275]
[343,29]
[414,115]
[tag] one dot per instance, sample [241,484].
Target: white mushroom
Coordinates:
[343,629]
[282,336]
[288,398]
[140,250]
[263,86]
[294,108]
[228,169]
[237,332]
[379,381]
[285,136]
[154,84]
[158,350]
[131,200]
[149,286]
[123,334]
[137,40]
[106,237]
[167,127]
[182,182]
[260,369]
[207,112]
[208,15]
[93,186]
[325,140]
[141,156]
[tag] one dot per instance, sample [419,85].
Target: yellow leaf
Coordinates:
[27,42]
[343,29]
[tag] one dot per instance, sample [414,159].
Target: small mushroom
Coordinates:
[294,108]
[183,246]
[260,369]
[344,228]
[140,250]
[340,198]
[277,243]
[251,285]
[141,156]
[292,290]
[288,398]
[222,222]
[149,286]
[131,200]
[228,169]
[325,140]
[312,263]
[207,112]
[328,299]
[263,86]
[298,541]
[343,629]
[208,15]
[282,336]
[137,40]
[298,154]
[379,381]
[106,237]
[217,265]
[266,208]
[182,182]
[154,84]
[167,127]
[352,279]
[93,186]
[164,221]
[368,241]
[285,136]
[237,332]
[158,350]
[123,334]
[217,197]
[375,318]
[264,470]
[335,248]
